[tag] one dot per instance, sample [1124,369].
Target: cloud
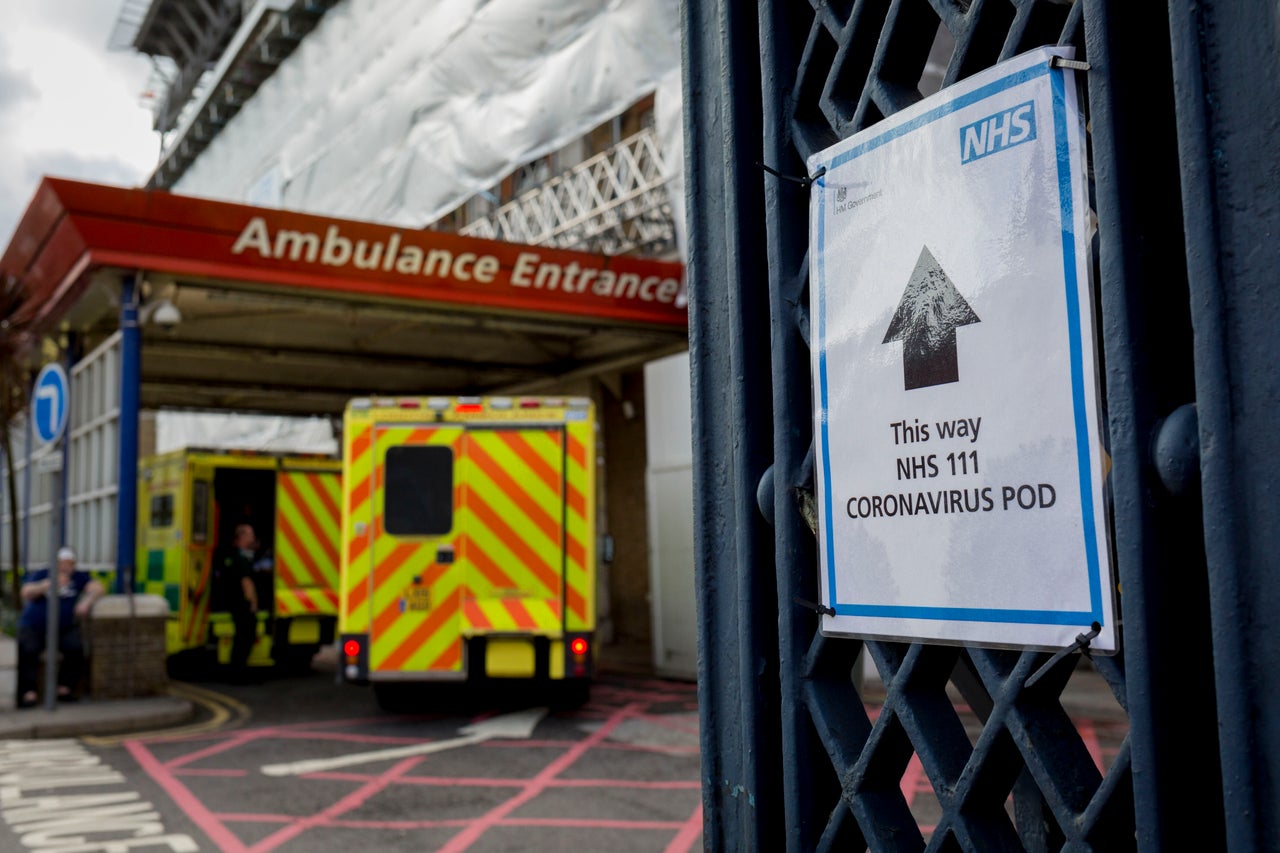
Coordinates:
[68,106]
[17,90]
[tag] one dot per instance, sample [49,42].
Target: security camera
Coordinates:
[165,315]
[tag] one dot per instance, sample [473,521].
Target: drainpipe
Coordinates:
[130,387]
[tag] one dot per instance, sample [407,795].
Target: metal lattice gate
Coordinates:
[793,757]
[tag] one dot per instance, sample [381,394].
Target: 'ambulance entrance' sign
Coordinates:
[960,464]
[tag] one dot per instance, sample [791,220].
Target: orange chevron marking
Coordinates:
[475,616]
[450,657]
[356,549]
[513,490]
[577,502]
[484,564]
[577,451]
[361,442]
[523,618]
[391,612]
[546,575]
[357,595]
[332,510]
[359,494]
[315,576]
[434,621]
[577,551]
[299,502]
[577,604]
[530,457]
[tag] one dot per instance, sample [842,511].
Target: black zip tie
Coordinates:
[1081,644]
[1073,64]
[803,182]
[816,608]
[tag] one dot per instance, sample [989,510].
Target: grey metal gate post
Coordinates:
[1228,97]
[728,336]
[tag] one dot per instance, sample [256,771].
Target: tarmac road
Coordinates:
[303,764]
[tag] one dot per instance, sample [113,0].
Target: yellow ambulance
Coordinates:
[468,543]
[189,503]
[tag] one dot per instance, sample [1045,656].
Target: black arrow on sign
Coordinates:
[925,322]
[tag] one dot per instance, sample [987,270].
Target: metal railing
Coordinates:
[614,202]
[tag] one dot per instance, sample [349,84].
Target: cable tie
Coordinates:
[1081,644]
[804,182]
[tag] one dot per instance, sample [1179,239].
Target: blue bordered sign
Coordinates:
[49,403]
[961,466]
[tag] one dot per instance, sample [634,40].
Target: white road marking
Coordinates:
[75,821]
[517,726]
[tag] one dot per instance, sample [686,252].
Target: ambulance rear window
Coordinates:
[418,500]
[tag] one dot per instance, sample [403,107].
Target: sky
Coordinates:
[69,106]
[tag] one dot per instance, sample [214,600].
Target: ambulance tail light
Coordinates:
[354,663]
[578,654]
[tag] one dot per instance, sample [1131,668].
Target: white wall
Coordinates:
[669,487]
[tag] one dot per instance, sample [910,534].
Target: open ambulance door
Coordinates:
[197,584]
[307,523]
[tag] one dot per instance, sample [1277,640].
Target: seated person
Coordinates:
[76,591]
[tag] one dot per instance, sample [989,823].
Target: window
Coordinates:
[418,497]
[199,512]
[162,510]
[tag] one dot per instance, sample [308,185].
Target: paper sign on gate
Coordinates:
[961,466]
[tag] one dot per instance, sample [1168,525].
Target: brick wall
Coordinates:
[127,650]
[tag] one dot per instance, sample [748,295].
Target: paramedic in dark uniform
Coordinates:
[239,597]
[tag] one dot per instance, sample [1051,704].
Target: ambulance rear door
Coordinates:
[513,521]
[416,583]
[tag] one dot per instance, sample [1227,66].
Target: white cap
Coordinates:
[65,553]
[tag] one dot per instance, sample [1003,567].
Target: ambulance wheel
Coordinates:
[571,695]
[294,660]
[395,698]
[191,665]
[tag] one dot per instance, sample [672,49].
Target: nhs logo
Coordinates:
[997,132]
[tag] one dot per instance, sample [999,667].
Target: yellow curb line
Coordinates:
[221,708]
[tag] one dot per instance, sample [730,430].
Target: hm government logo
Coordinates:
[842,202]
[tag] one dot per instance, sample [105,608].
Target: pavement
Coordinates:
[95,717]
[1087,696]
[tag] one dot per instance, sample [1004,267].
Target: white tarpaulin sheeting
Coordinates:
[398,111]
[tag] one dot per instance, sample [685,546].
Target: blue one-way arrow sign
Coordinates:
[49,404]
[926,321]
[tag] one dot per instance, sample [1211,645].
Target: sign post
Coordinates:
[961,464]
[49,414]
